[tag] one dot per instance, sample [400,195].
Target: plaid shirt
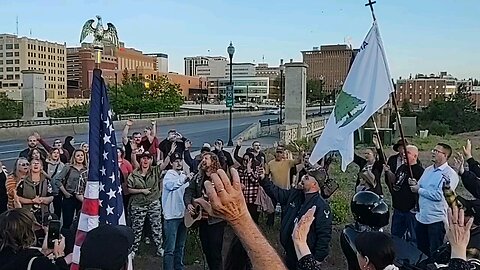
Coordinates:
[250,183]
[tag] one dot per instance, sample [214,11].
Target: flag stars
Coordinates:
[106,139]
[102,187]
[112,177]
[103,170]
[105,156]
[111,194]
[110,210]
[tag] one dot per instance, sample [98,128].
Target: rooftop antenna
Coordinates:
[17,25]
[263,59]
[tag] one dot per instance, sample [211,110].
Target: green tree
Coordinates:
[9,109]
[457,112]
[407,109]
[70,111]
[137,95]
[315,90]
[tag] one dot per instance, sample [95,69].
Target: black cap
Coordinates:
[106,247]
[146,154]
[175,156]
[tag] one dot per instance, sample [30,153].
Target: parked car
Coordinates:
[273,112]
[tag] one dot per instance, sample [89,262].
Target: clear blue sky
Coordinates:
[420,36]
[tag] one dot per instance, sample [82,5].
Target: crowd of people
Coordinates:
[167,191]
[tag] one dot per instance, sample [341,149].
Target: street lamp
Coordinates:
[321,91]
[282,69]
[230,51]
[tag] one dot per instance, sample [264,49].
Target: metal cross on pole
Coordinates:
[370,4]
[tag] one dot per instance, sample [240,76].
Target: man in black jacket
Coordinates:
[295,203]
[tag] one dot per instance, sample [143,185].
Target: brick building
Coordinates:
[329,63]
[422,89]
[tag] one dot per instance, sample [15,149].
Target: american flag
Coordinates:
[103,202]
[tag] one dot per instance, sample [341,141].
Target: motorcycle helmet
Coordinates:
[370,209]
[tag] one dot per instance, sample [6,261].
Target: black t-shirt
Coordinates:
[404,199]
[128,151]
[166,145]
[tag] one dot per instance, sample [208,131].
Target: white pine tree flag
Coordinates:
[367,88]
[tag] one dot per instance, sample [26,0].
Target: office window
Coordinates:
[8,46]
[9,62]
[17,77]
[17,54]
[9,77]
[9,69]
[9,54]
[17,68]
[17,61]
[17,46]
[1,47]
[1,62]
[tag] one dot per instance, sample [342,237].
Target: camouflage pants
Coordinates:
[154,213]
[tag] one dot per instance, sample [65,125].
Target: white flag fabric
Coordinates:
[366,89]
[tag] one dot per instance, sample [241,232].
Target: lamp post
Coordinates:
[201,96]
[282,69]
[247,98]
[230,51]
[116,84]
[321,91]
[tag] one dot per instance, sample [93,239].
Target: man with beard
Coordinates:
[256,150]
[57,144]
[296,202]
[32,144]
[211,229]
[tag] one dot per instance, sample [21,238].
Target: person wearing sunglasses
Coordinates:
[20,171]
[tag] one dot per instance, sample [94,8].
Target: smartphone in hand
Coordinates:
[53,232]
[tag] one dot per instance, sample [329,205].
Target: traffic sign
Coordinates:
[229,99]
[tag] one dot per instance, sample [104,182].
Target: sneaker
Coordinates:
[147,240]
[160,252]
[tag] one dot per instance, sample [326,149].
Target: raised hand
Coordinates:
[129,122]
[225,200]
[467,149]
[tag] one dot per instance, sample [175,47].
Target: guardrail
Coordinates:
[84,119]
[271,122]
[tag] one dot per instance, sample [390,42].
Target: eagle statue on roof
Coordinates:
[100,35]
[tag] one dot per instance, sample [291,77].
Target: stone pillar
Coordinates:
[33,95]
[296,93]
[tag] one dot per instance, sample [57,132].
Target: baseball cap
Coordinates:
[175,156]
[146,154]
[106,247]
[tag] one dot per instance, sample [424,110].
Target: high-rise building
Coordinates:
[80,65]
[22,53]
[329,64]
[162,61]
[191,63]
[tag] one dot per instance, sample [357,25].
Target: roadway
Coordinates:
[197,132]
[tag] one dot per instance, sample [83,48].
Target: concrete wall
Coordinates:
[313,129]
[72,129]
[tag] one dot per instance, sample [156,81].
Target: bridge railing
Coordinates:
[84,119]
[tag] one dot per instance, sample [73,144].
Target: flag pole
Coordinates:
[379,140]
[400,128]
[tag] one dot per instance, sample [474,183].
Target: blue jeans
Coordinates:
[430,237]
[403,225]
[175,236]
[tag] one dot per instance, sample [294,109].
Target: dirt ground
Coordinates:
[336,259]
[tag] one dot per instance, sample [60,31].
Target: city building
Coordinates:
[192,62]
[23,53]
[80,64]
[253,89]
[132,60]
[214,68]
[330,64]
[422,89]
[162,61]
[273,74]
[475,96]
